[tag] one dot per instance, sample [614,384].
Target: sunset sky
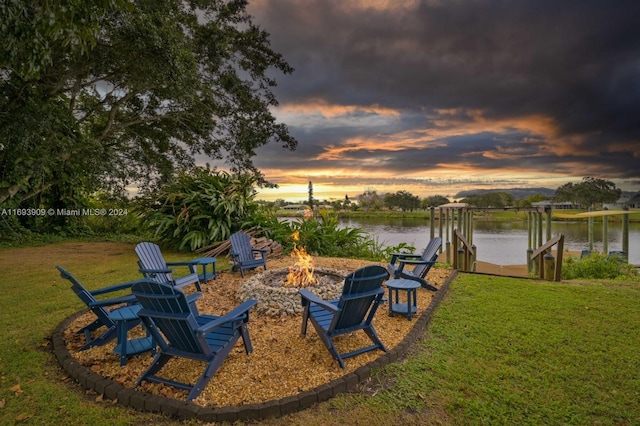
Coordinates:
[439,96]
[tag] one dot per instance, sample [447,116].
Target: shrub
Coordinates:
[199,207]
[597,266]
[322,236]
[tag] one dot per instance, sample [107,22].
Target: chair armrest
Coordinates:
[261,252]
[155,271]
[397,256]
[406,255]
[193,297]
[182,263]
[309,297]
[187,280]
[237,313]
[117,301]
[414,262]
[418,262]
[116,287]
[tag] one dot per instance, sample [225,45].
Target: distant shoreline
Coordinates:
[481,214]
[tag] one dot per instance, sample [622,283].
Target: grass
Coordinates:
[498,351]
[504,351]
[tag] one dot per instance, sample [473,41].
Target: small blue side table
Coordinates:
[410,287]
[124,347]
[192,264]
[204,261]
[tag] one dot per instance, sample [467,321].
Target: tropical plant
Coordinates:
[323,236]
[199,207]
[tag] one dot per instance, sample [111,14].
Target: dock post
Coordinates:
[625,231]
[605,235]
[549,263]
[432,222]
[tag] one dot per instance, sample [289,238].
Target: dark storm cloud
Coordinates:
[576,62]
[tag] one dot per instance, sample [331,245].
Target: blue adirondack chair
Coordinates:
[422,264]
[152,265]
[181,332]
[100,307]
[244,255]
[361,295]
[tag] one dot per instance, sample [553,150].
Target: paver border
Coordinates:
[143,401]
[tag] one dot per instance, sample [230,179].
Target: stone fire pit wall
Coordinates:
[274,299]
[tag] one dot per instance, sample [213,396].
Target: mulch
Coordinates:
[283,362]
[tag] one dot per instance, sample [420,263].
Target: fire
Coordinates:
[301,273]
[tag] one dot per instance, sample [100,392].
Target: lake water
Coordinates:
[498,242]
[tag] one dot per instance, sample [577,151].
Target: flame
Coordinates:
[301,273]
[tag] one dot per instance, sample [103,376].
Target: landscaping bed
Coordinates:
[283,363]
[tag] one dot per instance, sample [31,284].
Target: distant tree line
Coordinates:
[588,193]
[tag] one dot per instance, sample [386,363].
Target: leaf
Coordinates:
[24,416]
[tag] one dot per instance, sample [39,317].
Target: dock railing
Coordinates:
[464,254]
[544,263]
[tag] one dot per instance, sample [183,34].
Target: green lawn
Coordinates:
[498,351]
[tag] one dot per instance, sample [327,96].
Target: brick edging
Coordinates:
[144,401]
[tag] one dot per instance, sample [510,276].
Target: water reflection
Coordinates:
[499,242]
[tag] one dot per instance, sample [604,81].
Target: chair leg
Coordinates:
[211,369]
[373,335]
[158,362]
[305,318]
[246,339]
[328,343]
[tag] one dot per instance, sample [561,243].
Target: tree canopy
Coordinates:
[403,200]
[589,192]
[105,94]
[434,201]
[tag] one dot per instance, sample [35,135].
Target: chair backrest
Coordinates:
[241,246]
[430,253]
[150,257]
[361,288]
[169,310]
[85,295]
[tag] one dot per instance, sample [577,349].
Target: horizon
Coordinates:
[297,198]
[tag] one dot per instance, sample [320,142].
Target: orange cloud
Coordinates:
[322,107]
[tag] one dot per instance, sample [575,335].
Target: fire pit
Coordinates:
[277,290]
[276,299]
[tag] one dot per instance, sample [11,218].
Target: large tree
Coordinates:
[589,192]
[403,200]
[114,92]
